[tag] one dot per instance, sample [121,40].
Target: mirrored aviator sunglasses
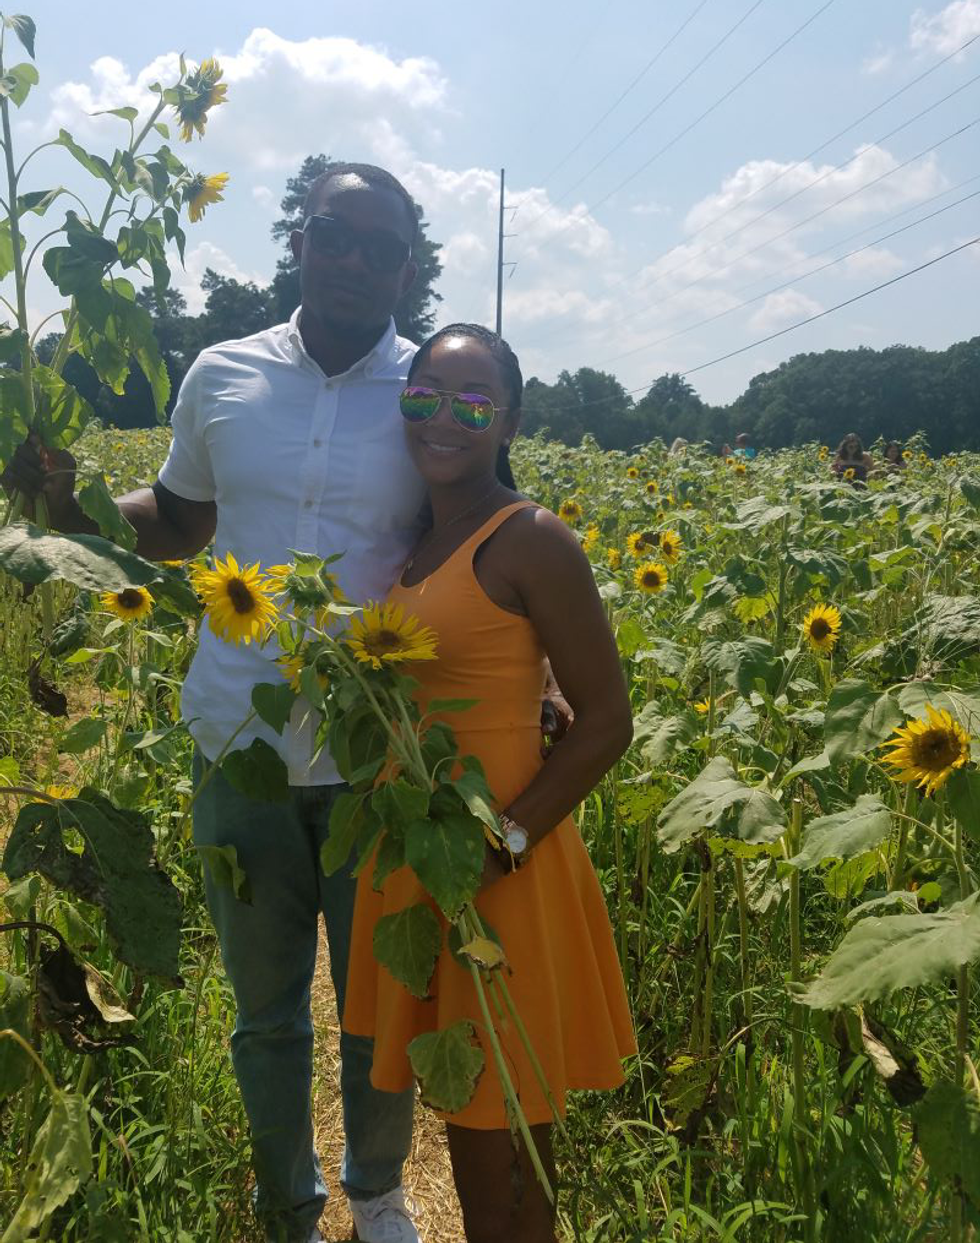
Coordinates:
[382,252]
[472,411]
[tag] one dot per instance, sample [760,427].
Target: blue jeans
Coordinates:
[269,952]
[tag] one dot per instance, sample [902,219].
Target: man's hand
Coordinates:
[37,471]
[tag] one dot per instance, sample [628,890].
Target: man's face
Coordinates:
[346,292]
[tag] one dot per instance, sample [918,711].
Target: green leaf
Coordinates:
[879,955]
[346,822]
[963,793]
[83,735]
[116,871]
[447,854]
[24,28]
[226,871]
[60,1161]
[717,797]
[125,114]
[398,802]
[257,772]
[740,661]
[948,1123]
[96,501]
[408,944]
[390,857]
[12,342]
[22,895]
[60,411]
[90,562]
[844,834]
[452,705]
[15,1013]
[17,82]
[448,1065]
[858,719]
[95,164]
[963,705]
[13,425]
[671,732]
[273,701]
[471,786]
[970,487]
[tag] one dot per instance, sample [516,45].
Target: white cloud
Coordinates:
[879,62]
[878,263]
[947,30]
[780,310]
[187,279]
[265,196]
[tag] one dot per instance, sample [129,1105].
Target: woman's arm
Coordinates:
[544,564]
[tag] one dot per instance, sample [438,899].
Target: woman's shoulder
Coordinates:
[536,527]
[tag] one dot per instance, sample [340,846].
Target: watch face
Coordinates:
[517,839]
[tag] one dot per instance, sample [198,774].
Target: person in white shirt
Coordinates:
[290,439]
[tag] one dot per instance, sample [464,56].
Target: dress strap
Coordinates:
[494,521]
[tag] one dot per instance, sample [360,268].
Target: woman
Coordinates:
[852,457]
[894,461]
[506,587]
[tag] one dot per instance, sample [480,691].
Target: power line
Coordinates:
[656,107]
[800,276]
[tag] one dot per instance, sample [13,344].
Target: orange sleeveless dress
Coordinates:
[550,915]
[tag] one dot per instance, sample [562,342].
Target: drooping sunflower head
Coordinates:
[632,472]
[238,600]
[202,190]
[614,558]
[670,546]
[383,635]
[570,511]
[650,577]
[640,543]
[928,749]
[129,604]
[590,538]
[202,91]
[821,627]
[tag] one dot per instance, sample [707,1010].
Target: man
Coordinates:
[743,446]
[291,440]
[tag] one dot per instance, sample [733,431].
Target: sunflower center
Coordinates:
[651,579]
[382,642]
[241,598]
[130,598]
[819,628]
[935,750]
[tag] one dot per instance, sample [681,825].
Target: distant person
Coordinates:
[678,446]
[894,458]
[726,450]
[743,447]
[852,463]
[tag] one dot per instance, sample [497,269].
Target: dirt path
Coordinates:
[428,1177]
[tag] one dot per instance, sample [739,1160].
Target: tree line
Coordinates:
[890,393]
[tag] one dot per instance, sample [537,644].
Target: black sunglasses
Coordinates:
[382,252]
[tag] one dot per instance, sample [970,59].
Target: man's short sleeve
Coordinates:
[187,470]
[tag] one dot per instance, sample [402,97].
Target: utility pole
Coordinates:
[500,259]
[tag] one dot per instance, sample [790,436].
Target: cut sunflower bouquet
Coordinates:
[412,799]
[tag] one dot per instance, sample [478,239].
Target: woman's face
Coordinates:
[893,453]
[443,451]
[851,446]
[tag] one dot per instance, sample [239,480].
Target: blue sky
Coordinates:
[618,276]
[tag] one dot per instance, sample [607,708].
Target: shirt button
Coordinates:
[307,504]
[317,444]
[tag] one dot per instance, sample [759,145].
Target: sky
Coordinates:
[676,170]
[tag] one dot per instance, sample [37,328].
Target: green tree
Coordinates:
[415,315]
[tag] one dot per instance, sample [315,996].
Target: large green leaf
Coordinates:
[60,1161]
[948,1122]
[447,1064]
[257,772]
[858,719]
[845,833]
[273,701]
[717,797]
[34,556]
[670,733]
[963,705]
[963,792]
[13,424]
[96,500]
[740,661]
[116,870]
[446,853]
[60,411]
[471,786]
[24,28]
[16,83]
[346,822]
[15,1014]
[879,955]
[408,944]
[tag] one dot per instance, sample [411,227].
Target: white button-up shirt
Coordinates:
[294,460]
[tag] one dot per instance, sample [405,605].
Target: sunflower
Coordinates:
[907,455]
[632,472]
[293,666]
[651,577]
[570,511]
[740,468]
[729,461]
[202,91]
[849,473]
[383,635]
[130,604]
[821,627]
[923,457]
[652,487]
[61,792]
[670,546]
[200,191]
[703,707]
[667,500]
[928,749]
[822,453]
[590,538]
[614,558]
[238,600]
[640,543]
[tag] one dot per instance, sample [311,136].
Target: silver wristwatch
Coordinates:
[516,840]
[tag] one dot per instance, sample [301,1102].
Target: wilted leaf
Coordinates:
[447,1065]
[879,955]
[845,833]
[482,952]
[60,1161]
[407,943]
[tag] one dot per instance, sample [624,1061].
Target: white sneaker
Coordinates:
[385,1219]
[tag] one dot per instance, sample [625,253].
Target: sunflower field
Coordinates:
[789,852]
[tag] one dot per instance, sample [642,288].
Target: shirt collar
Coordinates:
[372,362]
